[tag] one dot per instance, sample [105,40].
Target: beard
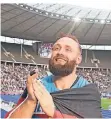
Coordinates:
[61,70]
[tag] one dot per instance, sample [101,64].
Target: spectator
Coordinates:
[14,79]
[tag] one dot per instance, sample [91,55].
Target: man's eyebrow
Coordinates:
[60,45]
[56,45]
[67,46]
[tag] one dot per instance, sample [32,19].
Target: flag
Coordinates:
[82,102]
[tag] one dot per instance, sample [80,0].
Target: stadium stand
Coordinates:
[14,77]
[15,49]
[13,80]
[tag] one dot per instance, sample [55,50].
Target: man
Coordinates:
[65,57]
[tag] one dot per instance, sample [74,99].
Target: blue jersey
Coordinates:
[48,82]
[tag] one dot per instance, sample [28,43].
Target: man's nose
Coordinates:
[61,51]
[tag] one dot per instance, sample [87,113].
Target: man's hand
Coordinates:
[31,95]
[44,98]
[26,109]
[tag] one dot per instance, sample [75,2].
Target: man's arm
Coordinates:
[18,103]
[27,104]
[24,110]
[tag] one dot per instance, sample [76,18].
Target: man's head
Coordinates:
[66,55]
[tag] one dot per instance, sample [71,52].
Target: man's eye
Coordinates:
[56,48]
[68,49]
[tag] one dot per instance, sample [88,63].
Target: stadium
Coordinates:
[28,32]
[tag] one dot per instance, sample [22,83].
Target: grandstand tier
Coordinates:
[88,55]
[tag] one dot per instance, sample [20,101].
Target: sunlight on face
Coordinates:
[67,49]
[65,57]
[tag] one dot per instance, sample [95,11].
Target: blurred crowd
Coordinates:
[45,49]
[13,77]
[99,76]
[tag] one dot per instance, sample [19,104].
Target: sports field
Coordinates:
[105,103]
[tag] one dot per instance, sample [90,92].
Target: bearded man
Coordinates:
[43,102]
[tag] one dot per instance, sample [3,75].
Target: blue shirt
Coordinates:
[48,82]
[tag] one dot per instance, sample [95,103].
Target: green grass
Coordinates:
[105,103]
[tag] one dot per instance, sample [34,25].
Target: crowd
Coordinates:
[45,49]
[101,77]
[13,77]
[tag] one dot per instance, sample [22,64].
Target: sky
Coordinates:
[98,4]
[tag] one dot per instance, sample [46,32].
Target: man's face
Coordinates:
[65,56]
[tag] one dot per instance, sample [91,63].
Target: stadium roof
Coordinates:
[44,22]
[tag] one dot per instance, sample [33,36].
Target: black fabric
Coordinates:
[82,102]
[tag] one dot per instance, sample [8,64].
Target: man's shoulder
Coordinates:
[47,79]
[81,82]
[48,82]
[82,79]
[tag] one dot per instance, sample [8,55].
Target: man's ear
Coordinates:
[79,59]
